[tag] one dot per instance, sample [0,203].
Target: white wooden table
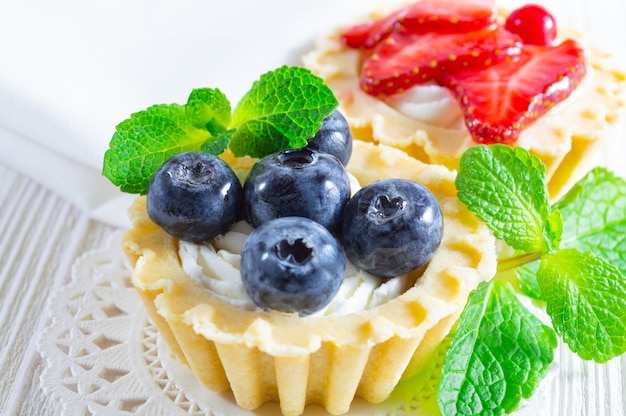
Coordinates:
[42,233]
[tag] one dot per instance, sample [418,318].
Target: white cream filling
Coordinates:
[215,266]
[429,103]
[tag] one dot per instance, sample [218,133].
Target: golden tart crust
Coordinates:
[566,138]
[270,356]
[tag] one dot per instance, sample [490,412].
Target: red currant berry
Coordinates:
[534,24]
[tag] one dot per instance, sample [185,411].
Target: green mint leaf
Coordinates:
[506,188]
[208,108]
[218,144]
[144,141]
[498,354]
[553,230]
[283,109]
[527,280]
[584,296]
[594,216]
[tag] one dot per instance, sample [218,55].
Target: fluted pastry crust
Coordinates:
[271,356]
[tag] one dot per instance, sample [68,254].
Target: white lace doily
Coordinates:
[103,356]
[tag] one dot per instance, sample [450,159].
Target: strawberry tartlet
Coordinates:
[436,77]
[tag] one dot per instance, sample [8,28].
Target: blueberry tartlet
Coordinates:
[291,311]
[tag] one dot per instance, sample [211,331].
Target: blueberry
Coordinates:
[297,182]
[292,264]
[334,137]
[391,227]
[194,196]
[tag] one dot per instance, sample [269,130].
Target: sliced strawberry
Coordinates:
[404,60]
[449,16]
[501,100]
[367,35]
[442,16]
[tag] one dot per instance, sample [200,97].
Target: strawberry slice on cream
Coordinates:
[502,99]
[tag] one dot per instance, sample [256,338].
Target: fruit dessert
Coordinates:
[436,77]
[286,262]
[288,276]
[291,344]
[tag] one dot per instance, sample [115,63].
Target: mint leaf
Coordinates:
[218,144]
[584,296]
[283,109]
[498,354]
[594,216]
[506,188]
[527,280]
[553,230]
[144,141]
[209,109]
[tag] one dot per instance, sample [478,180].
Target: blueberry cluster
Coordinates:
[306,223]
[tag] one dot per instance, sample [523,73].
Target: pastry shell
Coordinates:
[267,356]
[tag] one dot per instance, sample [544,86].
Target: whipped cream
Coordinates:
[429,103]
[215,267]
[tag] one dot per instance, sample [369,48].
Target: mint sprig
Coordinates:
[570,257]
[498,354]
[283,109]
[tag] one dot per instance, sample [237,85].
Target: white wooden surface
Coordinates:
[42,234]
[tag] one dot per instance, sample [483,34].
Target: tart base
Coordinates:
[267,356]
